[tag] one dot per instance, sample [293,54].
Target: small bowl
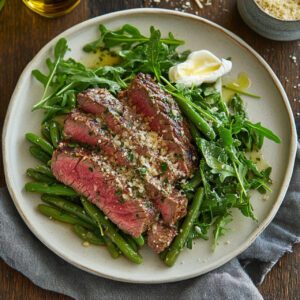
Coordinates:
[266,25]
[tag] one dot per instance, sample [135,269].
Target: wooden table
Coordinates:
[23,33]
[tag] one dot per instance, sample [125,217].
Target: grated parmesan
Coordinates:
[281,9]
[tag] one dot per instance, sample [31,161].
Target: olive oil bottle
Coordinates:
[51,8]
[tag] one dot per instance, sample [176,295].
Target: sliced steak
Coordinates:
[85,128]
[162,113]
[167,200]
[160,236]
[126,125]
[92,175]
[88,129]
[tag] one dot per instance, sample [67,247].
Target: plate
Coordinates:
[273,110]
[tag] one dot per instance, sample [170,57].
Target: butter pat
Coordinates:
[201,66]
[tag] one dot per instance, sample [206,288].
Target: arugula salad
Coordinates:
[221,131]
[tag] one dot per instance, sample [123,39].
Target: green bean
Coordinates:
[95,213]
[72,101]
[39,141]
[45,170]
[163,254]
[194,117]
[38,153]
[69,207]
[130,241]
[193,183]
[112,248]
[49,163]
[139,241]
[187,107]
[55,189]
[190,196]
[45,130]
[188,222]
[40,177]
[87,235]
[194,131]
[60,215]
[54,133]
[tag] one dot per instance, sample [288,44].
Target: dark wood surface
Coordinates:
[23,33]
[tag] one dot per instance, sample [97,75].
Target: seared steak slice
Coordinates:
[102,103]
[90,129]
[126,125]
[167,200]
[160,236]
[86,128]
[92,175]
[163,115]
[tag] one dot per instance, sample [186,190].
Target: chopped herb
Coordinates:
[166,181]
[162,199]
[137,215]
[106,111]
[91,169]
[98,193]
[121,200]
[73,145]
[143,170]
[172,116]
[105,127]
[130,155]
[90,133]
[118,192]
[139,195]
[163,167]
[177,155]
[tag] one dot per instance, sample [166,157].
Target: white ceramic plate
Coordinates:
[273,110]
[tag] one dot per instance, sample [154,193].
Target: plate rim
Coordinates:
[235,39]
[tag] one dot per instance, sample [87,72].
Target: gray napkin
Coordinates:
[235,280]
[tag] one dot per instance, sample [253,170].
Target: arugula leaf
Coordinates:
[40,77]
[225,135]
[60,49]
[263,132]
[219,225]
[153,52]
[125,37]
[216,158]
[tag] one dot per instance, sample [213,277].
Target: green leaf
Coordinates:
[219,225]
[263,132]
[60,49]
[40,77]
[225,135]
[153,52]
[216,158]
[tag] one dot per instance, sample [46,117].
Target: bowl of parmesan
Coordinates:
[274,19]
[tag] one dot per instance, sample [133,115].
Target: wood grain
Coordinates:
[23,33]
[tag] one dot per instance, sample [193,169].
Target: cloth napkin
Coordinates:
[237,279]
